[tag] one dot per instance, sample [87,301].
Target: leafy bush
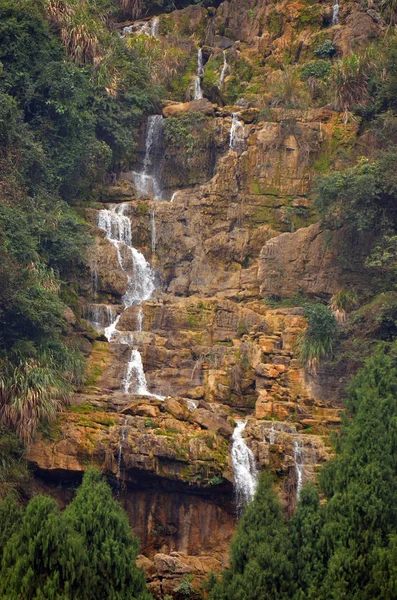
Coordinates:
[325,50]
[363,195]
[185,587]
[318,340]
[316,68]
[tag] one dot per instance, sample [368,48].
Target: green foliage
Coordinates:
[260,565]
[363,195]
[185,587]
[318,340]
[316,68]
[110,547]
[325,50]
[179,131]
[88,552]
[43,558]
[305,532]
[10,518]
[344,300]
[33,390]
[13,469]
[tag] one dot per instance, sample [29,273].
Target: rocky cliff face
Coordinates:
[239,232]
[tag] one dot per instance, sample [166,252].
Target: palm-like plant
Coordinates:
[350,79]
[33,390]
[81,29]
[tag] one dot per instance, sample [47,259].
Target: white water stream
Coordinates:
[299,458]
[244,468]
[223,72]
[335,13]
[237,134]
[140,286]
[197,91]
[148,181]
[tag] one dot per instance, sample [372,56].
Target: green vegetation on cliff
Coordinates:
[343,548]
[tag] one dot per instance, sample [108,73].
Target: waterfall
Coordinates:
[335,13]
[200,64]
[135,377]
[192,404]
[197,92]
[244,468]
[299,458]
[140,286]
[148,181]
[223,72]
[121,444]
[140,319]
[237,134]
[173,196]
[100,316]
[272,437]
[153,231]
[155,27]
[151,28]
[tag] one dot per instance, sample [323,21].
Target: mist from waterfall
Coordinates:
[244,468]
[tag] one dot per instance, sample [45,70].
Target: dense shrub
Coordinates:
[316,68]
[325,50]
[318,339]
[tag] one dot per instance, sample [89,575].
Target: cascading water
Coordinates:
[244,468]
[272,436]
[192,404]
[135,376]
[197,91]
[299,458]
[151,28]
[100,316]
[335,13]
[153,231]
[148,181]
[140,286]
[237,134]
[173,196]
[223,72]
[155,27]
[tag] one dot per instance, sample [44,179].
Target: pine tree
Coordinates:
[260,566]
[43,558]
[361,485]
[306,528]
[111,549]
[11,513]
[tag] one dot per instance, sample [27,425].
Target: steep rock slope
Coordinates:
[205,348]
